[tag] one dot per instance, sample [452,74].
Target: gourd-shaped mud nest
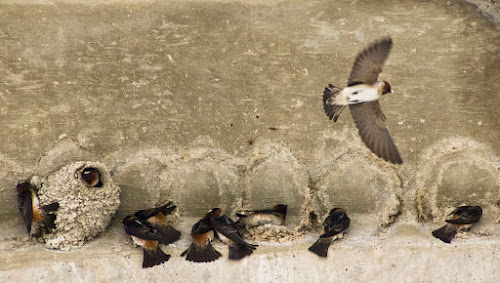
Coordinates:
[88,198]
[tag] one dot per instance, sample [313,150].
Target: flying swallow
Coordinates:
[201,249]
[91,177]
[157,218]
[148,238]
[34,215]
[461,219]
[252,218]
[361,94]
[333,227]
[230,235]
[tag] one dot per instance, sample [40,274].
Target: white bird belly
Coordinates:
[225,239]
[360,93]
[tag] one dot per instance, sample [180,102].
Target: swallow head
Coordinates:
[479,210]
[127,219]
[385,87]
[214,213]
[337,210]
[91,177]
[467,212]
[23,186]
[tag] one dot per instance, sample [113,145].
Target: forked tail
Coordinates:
[320,247]
[332,109]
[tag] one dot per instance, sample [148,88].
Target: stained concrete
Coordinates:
[219,104]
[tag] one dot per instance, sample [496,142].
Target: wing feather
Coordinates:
[369,62]
[370,121]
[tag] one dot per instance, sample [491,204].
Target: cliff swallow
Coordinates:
[91,177]
[361,94]
[34,215]
[148,238]
[461,219]
[230,235]
[333,227]
[251,218]
[201,249]
[157,218]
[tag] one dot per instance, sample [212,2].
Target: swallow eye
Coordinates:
[91,177]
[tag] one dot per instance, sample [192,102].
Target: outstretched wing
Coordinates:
[369,62]
[370,121]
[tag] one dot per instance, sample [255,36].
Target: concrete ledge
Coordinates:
[403,252]
[394,257]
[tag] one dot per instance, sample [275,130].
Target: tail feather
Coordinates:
[170,234]
[445,233]
[154,257]
[240,251]
[320,247]
[197,253]
[332,110]
[49,222]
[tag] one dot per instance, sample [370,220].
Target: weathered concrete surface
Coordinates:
[152,89]
[219,104]
[405,253]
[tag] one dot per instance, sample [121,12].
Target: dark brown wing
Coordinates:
[370,121]
[25,202]
[202,226]
[465,215]
[140,230]
[225,226]
[279,209]
[335,224]
[166,209]
[369,62]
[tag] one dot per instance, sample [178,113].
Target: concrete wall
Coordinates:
[219,104]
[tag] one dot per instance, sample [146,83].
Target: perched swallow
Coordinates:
[91,177]
[148,238]
[333,227]
[157,218]
[253,218]
[230,235]
[361,94]
[201,249]
[461,219]
[34,215]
